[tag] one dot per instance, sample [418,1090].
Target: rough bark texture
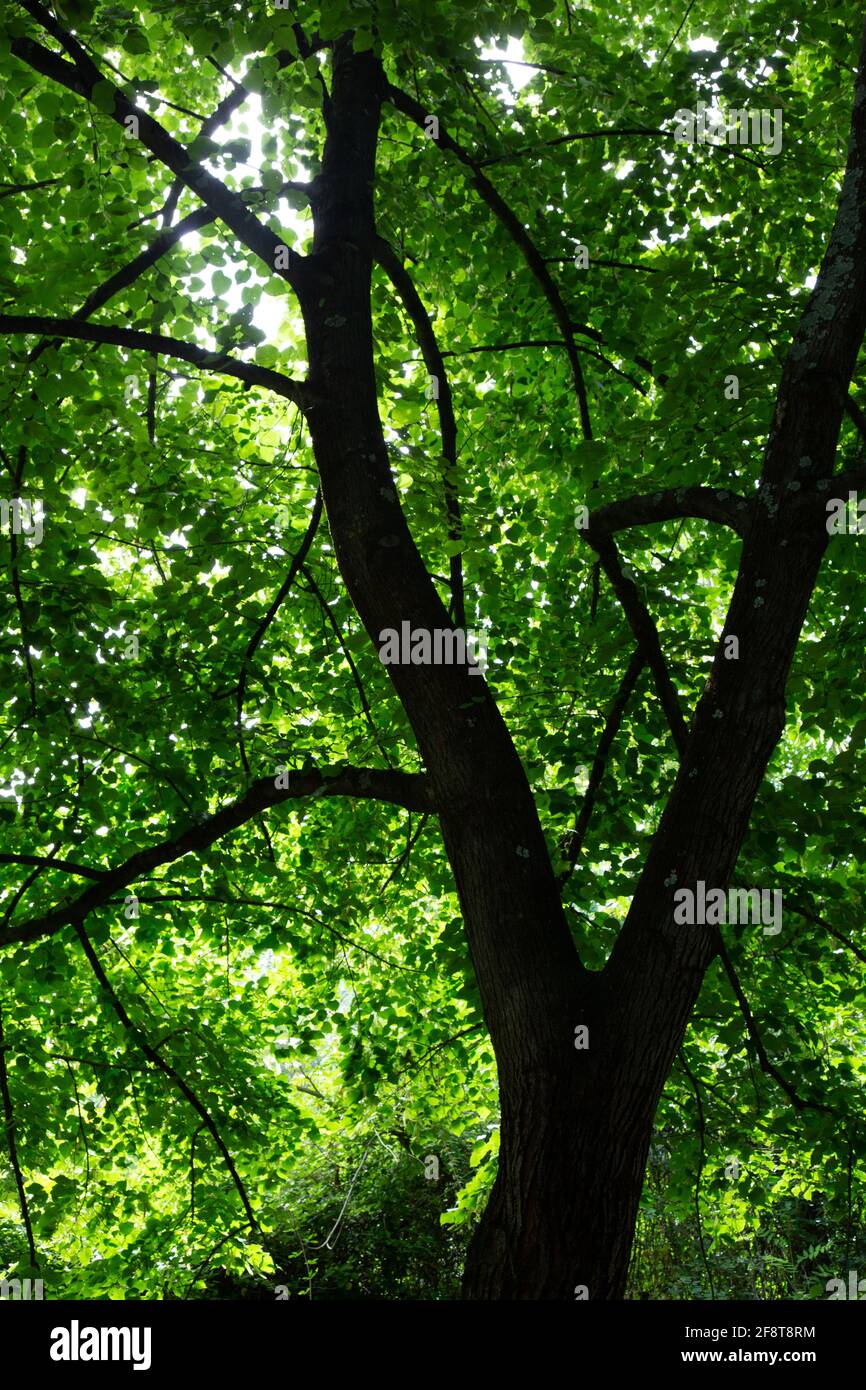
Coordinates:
[576,1123]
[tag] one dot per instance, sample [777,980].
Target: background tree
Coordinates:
[443,315]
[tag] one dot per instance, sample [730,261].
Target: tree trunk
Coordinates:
[560,1219]
[576,1120]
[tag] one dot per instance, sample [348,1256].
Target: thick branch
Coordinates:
[400,278]
[83,76]
[407,789]
[656,966]
[814,390]
[66,866]
[134,268]
[297,391]
[710,504]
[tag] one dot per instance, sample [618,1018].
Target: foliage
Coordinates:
[306,974]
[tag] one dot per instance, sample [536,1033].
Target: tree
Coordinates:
[550,260]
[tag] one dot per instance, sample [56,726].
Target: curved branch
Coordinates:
[642,625]
[355,673]
[572,841]
[511,222]
[270,904]
[83,76]
[408,789]
[162,1065]
[236,97]
[605,133]
[653,132]
[44,864]
[708,504]
[252,646]
[297,391]
[548,343]
[65,866]
[752,1029]
[800,911]
[133,269]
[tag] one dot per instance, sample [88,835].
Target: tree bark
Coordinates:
[576,1121]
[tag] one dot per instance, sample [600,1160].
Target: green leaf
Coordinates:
[102,96]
